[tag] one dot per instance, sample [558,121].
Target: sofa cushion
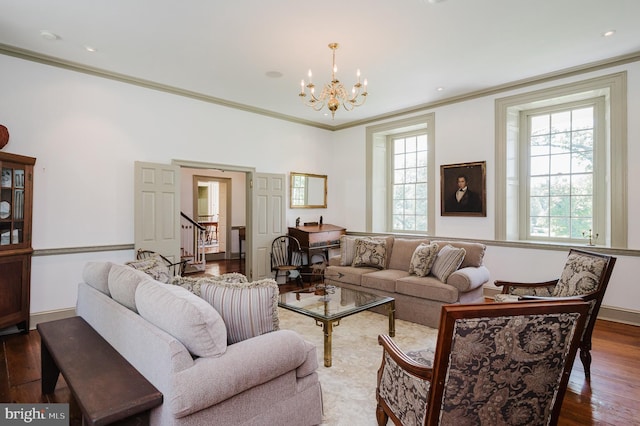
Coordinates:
[422,259]
[403,249]
[247,309]
[123,282]
[185,316]
[383,280]
[427,288]
[96,274]
[447,261]
[154,266]
[370,253]
[474,252]
[347,274]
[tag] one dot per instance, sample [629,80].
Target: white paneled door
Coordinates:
[268,220]
[157,209]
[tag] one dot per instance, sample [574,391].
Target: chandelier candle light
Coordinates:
[333,94]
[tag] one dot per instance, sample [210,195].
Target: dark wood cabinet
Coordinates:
[16,204]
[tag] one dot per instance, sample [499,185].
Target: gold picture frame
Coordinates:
[471,180]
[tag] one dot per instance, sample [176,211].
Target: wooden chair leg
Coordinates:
[381,416]
[585,357]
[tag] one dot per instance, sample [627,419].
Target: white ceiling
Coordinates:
[405,48]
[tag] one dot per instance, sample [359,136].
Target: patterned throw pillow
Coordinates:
[447,261]
[248,309]
[153,266]
[422,259]
[370,253]
[581,275]
[193,284]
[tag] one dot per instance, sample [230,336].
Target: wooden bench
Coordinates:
[106,387]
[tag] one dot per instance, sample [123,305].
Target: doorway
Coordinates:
[212,210]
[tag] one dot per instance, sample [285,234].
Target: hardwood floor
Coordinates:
[612,397]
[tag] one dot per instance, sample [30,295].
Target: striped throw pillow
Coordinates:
[247,309]
[447,262]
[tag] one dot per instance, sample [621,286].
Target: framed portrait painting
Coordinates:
[463,189]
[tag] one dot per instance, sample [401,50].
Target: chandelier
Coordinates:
[334,93]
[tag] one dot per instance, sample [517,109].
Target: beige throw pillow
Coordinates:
[422,259]
[185,316]
[447,262]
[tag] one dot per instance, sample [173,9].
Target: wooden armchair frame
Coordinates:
[543,290]
[286,256]
[439,374]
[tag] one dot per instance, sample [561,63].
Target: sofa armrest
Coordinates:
[469,278]
[243,366]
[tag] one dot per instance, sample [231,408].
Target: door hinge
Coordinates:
[251,184]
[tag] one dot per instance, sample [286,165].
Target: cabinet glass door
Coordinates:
[12,205]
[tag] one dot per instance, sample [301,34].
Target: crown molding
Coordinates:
[556,75]
[97,72]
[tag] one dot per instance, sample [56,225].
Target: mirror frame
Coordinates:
[307,206]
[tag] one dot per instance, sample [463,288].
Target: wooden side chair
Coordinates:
[585,276]
[286,258]
[494,364]
[175,269]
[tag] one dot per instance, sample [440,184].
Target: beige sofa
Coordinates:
[418,298]
[180,344]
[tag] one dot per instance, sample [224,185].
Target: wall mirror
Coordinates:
[308,191]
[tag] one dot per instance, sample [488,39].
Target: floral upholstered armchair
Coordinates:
[494,364]
[585,276]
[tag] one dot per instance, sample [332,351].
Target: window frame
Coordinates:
[598,218]
[390,182]
[378,206]
[507,186]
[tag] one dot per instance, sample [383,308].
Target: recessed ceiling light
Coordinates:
[48,35]
[608,33]
[273,74]
[440,89]
[90,49]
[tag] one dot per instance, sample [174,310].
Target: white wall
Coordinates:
[465,132]
[86,132]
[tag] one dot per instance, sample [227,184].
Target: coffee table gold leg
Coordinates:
[392,318]
[327,327]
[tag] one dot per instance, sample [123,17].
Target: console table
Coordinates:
[318,238]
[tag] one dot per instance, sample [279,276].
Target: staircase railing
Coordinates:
[192,243]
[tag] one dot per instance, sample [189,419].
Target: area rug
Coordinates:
[348,386]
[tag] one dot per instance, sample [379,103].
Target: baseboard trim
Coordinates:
[37,318]
[607,313]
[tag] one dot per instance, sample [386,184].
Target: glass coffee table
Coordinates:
[328,306]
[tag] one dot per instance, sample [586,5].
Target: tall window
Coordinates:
[561,179]
[409,183]
[401,176]
[561,164]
